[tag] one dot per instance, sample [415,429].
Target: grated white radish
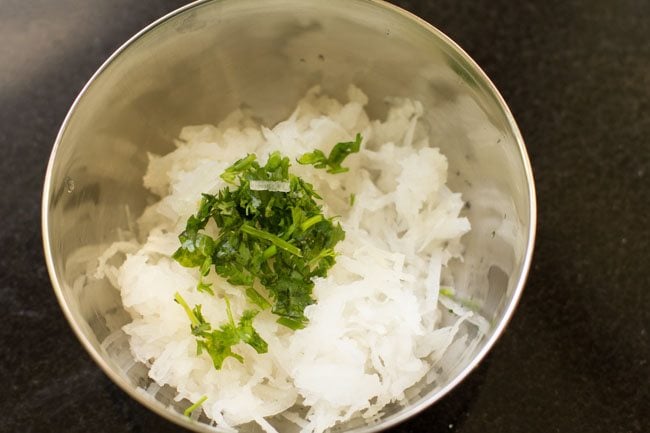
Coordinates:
[375,330]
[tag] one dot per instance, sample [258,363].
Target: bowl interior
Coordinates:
[202,62]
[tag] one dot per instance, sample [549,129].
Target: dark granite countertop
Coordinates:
[575,357]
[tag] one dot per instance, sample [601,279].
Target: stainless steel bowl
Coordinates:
[210,57]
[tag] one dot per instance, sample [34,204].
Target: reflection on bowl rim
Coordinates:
[407,411]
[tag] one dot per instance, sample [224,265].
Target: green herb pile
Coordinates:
[272,242]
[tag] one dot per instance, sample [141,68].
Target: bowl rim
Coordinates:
[404,413]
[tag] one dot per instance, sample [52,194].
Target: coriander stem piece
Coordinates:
[271,238]
[192,408]
[310,222]
[179,299]
[256,298]
[324,253]
[229,311]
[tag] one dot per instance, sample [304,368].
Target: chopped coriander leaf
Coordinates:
[337,155]
[205,287]
[341,151]
[218,343]
[195,406]
[247,333]
[291,323]
[230,175]
[316,158]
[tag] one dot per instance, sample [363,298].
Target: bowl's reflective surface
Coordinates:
[209,58]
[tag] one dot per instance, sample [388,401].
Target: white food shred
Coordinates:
[376,328]
[269,185]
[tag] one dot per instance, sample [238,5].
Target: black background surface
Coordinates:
[575,357]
